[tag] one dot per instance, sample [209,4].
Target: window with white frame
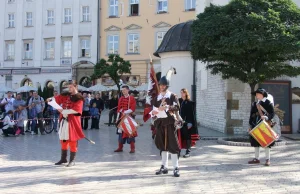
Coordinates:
[159,38]
[113,44]
[85,13]
[113,8]
[10,50]
[190,5]
[134,7]
[85,50]
[10,1]
[49,49]
[50,17]
[28,19]
[162,6]
[28,54]
[67,48]
[133,43]
[11,20]
[68,15]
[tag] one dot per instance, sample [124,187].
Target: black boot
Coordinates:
[63,158]
[72,157]
[162,170]
[188,149]
[176,172]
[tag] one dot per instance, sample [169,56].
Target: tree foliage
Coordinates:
[249,40]
[40,92]
[114,67]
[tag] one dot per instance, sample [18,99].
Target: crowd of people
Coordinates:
[20,116]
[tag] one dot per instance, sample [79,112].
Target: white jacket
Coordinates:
[7,122]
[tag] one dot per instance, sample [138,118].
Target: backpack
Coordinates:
[3,107]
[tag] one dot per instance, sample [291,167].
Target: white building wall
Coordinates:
[183,63]
[41,31]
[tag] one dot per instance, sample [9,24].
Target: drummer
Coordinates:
[126,105]
[255,119]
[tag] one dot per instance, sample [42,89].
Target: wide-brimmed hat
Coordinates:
[261,91]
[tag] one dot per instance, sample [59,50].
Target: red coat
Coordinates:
[75,130]
[125,104]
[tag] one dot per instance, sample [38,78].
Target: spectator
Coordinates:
[54,113]
[8,102]
[21,117]
[85,112]
[28,112]
[39,106]
[113,105]
[100,106]
[17,102]
[8,124]
[95,116]
[33,116]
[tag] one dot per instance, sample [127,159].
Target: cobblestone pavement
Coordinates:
[26,166]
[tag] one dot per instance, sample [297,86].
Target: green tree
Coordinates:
[114,67]
[45,94]
[40,92]
[249,40]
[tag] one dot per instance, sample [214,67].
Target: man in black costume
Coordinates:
[166,139]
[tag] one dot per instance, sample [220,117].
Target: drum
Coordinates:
[128,125]
[264,134]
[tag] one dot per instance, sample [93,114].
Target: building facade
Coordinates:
[41,41]
[135,28]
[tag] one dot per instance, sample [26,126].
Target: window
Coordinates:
[85,48]
[133,43]
[10,50]
[10,1]
[134,7]
[67,48]
[28,50]
[85,14]
[49,46]
[11,20]
[28,18]
[113,8]
[159,38]
[162,6]
[68,15]
[113,44]
[190,5]
[50,17]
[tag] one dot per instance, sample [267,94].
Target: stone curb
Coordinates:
[244,144]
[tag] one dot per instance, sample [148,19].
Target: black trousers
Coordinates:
[95,123]
[8,131]
[112,113]
[85,121]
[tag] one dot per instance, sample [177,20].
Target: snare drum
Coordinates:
[264,134]
[128,125]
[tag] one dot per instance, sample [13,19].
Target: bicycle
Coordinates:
[48,123]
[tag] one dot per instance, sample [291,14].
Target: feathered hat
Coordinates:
[165,80]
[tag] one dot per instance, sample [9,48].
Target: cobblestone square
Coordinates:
[26,166]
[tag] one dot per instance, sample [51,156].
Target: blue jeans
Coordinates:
[124,140]
[55,119]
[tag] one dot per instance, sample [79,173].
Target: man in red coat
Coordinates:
[126,105]
[70,100]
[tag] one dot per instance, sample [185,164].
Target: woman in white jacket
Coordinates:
[8,124]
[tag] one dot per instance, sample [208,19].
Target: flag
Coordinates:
[151,93]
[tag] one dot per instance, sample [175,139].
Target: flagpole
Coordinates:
[151,66]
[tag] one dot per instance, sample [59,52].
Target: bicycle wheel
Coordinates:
[48,126]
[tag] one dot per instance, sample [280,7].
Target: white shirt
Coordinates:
[7,122]
[9,105]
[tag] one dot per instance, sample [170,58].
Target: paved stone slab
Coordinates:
[26,166]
